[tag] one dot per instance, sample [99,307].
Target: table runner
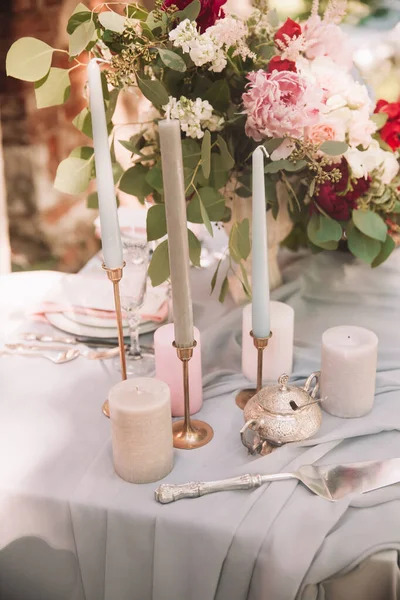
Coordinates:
[86,534]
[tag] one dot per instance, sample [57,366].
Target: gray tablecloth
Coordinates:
[72,530]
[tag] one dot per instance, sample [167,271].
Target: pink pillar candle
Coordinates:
[348,370]
[169,370]
[278,355]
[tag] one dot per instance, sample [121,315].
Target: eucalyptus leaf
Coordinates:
[273,144]
[92,201]
[112,21]
[78,17]
[194,248]
[73,175]
[239,241]
[215,276]
[83,122]
[134,182]
[205,218]
[227,159]
[85,152]
[155,179]
[191,11]
[219,175]
[154,91]
[111,104]
[362,246]
[191,152]
[206,154]
[159,266]
[245,282]
[172,60]
[118,171]
[224,290]
[212,201]
[285,165]
[333,148]
[370,223]
[379,119]
[137,12]
[328,230]
[387,248]
[219,95]
[54,89]
[243,192]
[81,37]
[156,222]
[29,59]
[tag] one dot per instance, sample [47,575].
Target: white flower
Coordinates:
[184,34]
[202,51]
[360,128]
[194,116]
[219,62]
[363,162]
[357,96]
[390,167]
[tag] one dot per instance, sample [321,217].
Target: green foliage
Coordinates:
[80,15]
[159,266]
[285,165]
[194,249]
[191,11]
[134,182]
[370,223]
[112,21]
[239,241]
[54,89]
[29,59]
[156,223]
[322,230]
[206,154]
[361,245]
[73,175]
[333,148]
[213,203]
[83,122]
[227,160]
[219,95]
[154,91]
[224,290]
[172,60]
[81,37]
[380,119]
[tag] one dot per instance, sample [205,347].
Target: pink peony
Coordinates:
[280,104]
[327,39]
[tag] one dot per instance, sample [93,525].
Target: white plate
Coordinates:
[62,322]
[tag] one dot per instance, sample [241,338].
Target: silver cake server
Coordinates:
[331,482]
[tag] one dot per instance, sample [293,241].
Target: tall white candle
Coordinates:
[178,245]
[278,355]
[110,232]
[259,272]
[348,370]
[141,429]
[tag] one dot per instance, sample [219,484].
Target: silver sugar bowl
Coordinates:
[281,413]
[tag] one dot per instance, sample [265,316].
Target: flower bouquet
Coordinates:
[235,84]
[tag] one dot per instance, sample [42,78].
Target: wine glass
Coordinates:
[133,290]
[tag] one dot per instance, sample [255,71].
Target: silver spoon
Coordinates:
[57,358]
[90,354]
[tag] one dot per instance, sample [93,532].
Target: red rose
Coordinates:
[210,11]
[390,132]
[290,29]
[278,64]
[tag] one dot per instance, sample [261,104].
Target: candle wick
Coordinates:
[261,147]
[168,113]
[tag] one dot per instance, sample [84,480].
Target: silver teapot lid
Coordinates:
[282,399]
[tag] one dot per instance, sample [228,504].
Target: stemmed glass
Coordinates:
[133,290]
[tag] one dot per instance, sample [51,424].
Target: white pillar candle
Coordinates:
[141,429]
[278,355]
[169,370]
[178,245]
[110,232]
[348,370]
[259,256]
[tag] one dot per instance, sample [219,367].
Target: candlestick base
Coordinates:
[188,434]
[115,276]
[244,396]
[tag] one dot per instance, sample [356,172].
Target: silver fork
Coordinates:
[90,354]
[57,358]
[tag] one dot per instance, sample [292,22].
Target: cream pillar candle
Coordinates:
[169,370]
[178,246]
[278,355]
[348,370]
[110,232]
[141,429]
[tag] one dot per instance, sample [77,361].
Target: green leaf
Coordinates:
[54,89]
[191,11]
[194,249]
[112,21]
[133,182]
[273,144]
[111,104]
[118,171]
[219,95]
[191,152]
[387,248]
[159,265]
[285,165]
[361,245]
[78,17]
[204,217]
[224,290]
[137,12]
[81,38]
[154,91]
[243,192]
[215,276]
[29,59]
[219,175]
[73,175]
[227,159]
[154,178]
[333,148]
[156,222]
[239,241]
[92,201]
[212,201]
[172,60]
[396,209]
[370,223]
[380,119]
[323,229]
[206,154]
[83,122]
[85,152]
[245,282]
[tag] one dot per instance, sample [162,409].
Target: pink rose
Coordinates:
[322,132]
[280,104]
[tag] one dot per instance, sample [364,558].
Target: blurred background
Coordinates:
[41,228]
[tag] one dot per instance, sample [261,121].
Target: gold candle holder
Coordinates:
[244,395]
[188,433]
[115,276]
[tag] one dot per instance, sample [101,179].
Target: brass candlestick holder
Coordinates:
[115,276]
[244,396]
[188,433]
